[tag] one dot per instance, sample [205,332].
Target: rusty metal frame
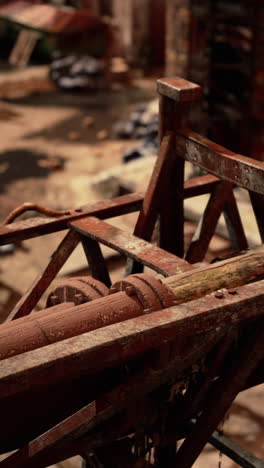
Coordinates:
[161,340]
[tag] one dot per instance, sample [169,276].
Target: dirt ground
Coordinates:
[49,155]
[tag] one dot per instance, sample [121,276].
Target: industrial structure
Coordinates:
[120,372]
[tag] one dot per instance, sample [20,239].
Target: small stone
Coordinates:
[88,122]
[74,136]
[102,135]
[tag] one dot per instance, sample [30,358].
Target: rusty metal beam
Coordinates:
[208,222]
[158,259]
[103,348]
[231,167]
[35,227]
[42,282]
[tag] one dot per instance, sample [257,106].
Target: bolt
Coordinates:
[130,290]
[54,300]
[232,291]
[79,298]
[219,294]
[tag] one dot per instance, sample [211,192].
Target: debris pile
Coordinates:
[76,72]
[142,125]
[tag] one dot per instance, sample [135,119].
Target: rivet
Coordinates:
[79,298]
[232,291]
[219,294]
[130,290]
[54,300]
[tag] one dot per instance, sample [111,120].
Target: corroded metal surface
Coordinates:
[158,259]
[138,346]
[235,168]
[117,343]
[77,290]
[35,227]
[152,293]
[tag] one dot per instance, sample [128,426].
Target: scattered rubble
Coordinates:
[142,125]
[74,136]
[102,135]
[76,72]
[88,122]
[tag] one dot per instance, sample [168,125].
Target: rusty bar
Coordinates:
[96,260]
[49,326]
[231,167]
[42,282]
[152,201]
[230,384]
[234,224]
[234,451]
[257,204]
[208,223]
[103,348]
[200,185]
[34,227]
[175,98]
[159,260]
[172,212]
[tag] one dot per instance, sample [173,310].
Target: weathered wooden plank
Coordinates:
[227,274]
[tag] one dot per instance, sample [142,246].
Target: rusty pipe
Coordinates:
[43,328]
[52,325]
